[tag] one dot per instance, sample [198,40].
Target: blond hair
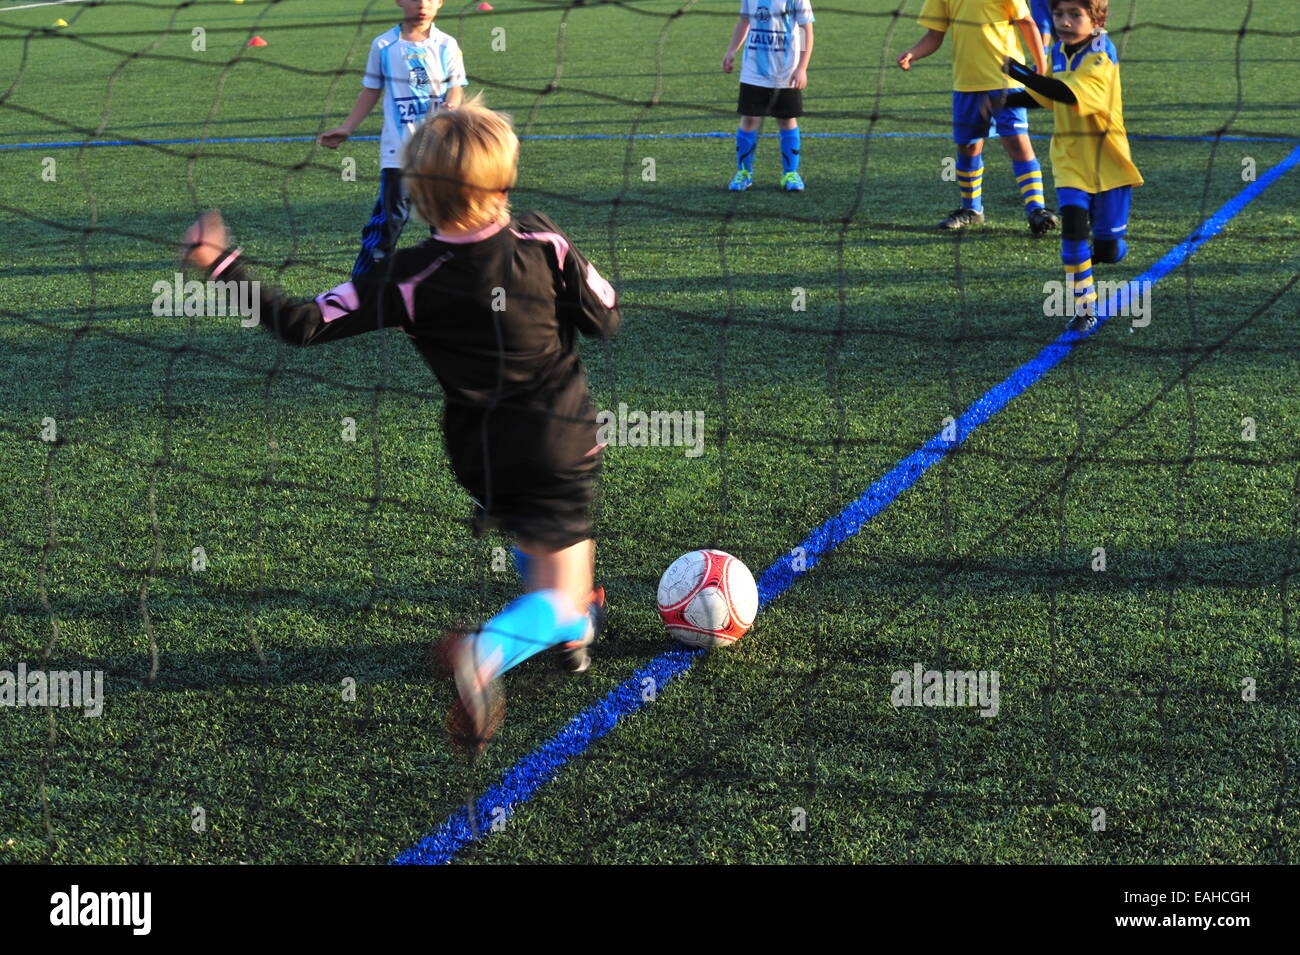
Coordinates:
[459,165]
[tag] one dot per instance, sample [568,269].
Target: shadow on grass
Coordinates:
[1218,565]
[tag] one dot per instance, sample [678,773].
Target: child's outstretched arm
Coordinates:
[931,41]
[366,101]
[1034,43]
[737,38]
[1047,87]
[347,310]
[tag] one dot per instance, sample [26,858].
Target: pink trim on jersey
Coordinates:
[225,263]
[604,291]
[407,288]
[484,233]
[560,243]
[338,301]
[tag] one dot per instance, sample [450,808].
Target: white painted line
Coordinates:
[33,6]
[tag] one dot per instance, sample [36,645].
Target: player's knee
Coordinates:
[1018,147]
[1109,251]
[1074,223]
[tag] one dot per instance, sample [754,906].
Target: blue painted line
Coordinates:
[171,142]
[614,136]
[522,780]
[538,767]
[781,575]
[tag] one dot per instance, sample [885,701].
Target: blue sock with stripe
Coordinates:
[790,140]
[526,626]
[970,178]
[1029,177]
[746,145]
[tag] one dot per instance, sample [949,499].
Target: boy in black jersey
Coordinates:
[494,304]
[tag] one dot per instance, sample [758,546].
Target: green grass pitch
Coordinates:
[1121,690]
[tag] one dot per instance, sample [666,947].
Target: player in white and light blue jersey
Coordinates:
[775,41]
[414,68]
[415,76]
[777,36]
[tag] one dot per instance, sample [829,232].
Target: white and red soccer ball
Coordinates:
[707,598]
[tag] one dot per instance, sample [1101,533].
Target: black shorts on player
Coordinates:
[782,103]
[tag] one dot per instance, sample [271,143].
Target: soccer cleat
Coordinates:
[792,182]
[961,218]
[1082,323]
[1042,221]
[741,181]
[480,705]
[576,655]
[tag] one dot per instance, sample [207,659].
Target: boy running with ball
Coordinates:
[1091,161]
[414,68]
[773,76]
[983,35]
[494,304]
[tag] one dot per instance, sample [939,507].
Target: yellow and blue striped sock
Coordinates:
[970,179]
[1029,177]
[1077,258]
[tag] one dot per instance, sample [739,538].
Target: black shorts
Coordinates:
[783,103]
[535,477]
[555,515]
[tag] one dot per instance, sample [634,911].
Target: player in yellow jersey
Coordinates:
[1091,163]
[983,35]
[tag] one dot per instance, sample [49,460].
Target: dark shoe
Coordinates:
[480,706]
[1042,221]
[961,218]
[1082,323]
[575,656]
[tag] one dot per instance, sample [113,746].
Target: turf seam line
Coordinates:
[531,772]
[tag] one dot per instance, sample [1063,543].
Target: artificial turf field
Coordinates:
[1121,689]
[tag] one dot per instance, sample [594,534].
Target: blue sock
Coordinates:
[746,144]
[522,563]
[1029,177]
[970,177]
[526,626]
[790,150]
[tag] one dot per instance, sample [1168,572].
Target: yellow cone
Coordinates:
[60,22]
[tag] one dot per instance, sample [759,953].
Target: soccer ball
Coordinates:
[707,598]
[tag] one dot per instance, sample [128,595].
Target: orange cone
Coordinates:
[257,41]
[485,5]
